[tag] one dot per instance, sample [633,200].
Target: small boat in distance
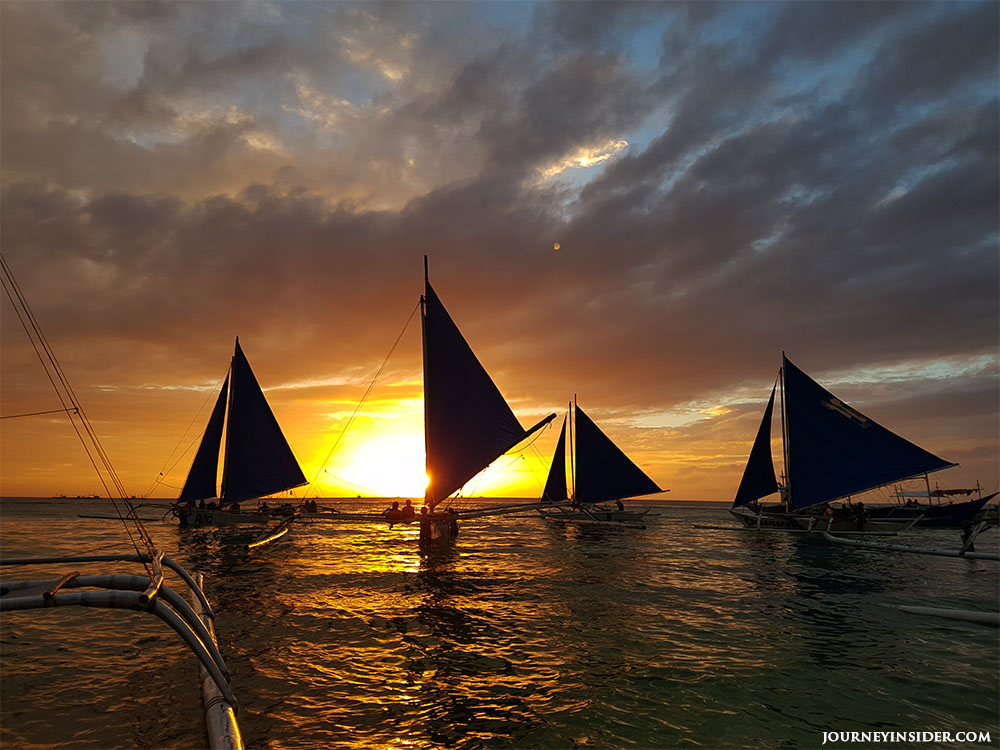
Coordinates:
[831,452]
[257,462]
[601,473]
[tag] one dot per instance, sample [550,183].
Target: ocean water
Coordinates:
[521,635]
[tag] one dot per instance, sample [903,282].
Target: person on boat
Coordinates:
[234,508]
[862,514]
[425,525]
[620,504]
[393,514]
[968,540]
[264,507]
[211,506]
[408,512]
[310,506]
[453,525]
[201,505]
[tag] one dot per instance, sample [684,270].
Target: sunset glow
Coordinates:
[389,466]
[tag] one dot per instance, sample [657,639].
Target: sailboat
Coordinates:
[257,462]
[467,422]
[831,452]
[601,473]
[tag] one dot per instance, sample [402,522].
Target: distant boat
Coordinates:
[467,422]
[601,474]
[831,452]
[257,462]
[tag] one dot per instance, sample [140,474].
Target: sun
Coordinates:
[390,466]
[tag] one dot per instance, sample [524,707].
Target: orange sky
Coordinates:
[695,450]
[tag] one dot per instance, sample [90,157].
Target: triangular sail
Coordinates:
[555,485]
[200,482]
[758,476]
[467,422]
[835,451]
[603,471]
[258,459]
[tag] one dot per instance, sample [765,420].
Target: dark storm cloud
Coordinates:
[819,178]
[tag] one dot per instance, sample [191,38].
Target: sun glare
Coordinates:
[391,466]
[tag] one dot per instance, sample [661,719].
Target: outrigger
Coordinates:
[143,593]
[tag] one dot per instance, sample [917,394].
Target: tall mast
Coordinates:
[786,501]
[572,463]
[423,338]
[227,450]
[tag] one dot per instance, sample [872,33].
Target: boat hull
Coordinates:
[214,517]
[596,515]
[939,516]
[804,522]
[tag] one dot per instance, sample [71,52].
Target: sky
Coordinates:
[642,204]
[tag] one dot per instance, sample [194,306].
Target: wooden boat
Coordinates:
[831,452]
[148,593]
[600,474]
[467,422]
[257,463]
[937,508]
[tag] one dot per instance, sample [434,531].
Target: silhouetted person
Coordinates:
[425,526]
[393,514]
[968,538]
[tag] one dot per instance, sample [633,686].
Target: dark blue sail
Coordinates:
[758,476]
[603,471]
[200,482]
[467,422]
[258,459]
[835,451]
[555,485]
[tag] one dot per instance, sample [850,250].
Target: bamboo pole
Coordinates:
[220,714]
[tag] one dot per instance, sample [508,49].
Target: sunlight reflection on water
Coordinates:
[521,635]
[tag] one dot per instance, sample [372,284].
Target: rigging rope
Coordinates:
[519,456]
[166,469]
[64,392]
[364,398]
[38,413]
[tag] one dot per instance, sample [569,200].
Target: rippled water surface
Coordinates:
[522,635]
